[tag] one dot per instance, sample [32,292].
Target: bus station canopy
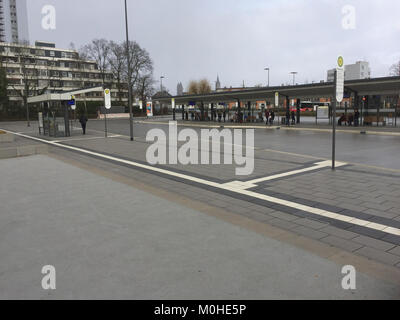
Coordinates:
[47,97]
[374,86]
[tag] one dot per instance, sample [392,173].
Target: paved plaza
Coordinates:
[116,227]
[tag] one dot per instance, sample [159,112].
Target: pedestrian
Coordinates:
[341,119]
[272,118]
[83,119]
[287,118]
[224,114]
[293,118]
[219,116]
[266,116]
[356,118]
[350,119]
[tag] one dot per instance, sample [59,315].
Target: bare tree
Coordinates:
[3,87]
[204,86]
[140,63]
[99,51]
[395,69]
[193,87]
[145,87]
[199,87]
[117,61]
[29,74]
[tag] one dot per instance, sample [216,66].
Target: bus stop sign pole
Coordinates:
[334,124]
[338,97]
[107,105]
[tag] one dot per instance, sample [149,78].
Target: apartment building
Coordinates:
[357,71]
[43,68]
[13,21]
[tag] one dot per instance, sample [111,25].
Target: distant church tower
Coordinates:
[217,84]
[179,89]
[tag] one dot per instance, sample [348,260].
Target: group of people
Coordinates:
[220,116]
[270,117]
[350,119]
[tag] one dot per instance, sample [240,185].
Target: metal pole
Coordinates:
[129,74]
[362,113]
[334,123]
[27,114]
[105,122]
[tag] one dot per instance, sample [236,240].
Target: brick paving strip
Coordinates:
[362,238]
[235,189]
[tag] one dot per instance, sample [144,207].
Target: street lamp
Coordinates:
[129,74]
[294,76]
[162,77]
[267,69]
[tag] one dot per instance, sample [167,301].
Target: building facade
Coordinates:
[42,68]
[13,21]
[359,70]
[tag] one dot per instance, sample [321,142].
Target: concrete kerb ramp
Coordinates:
[13,147]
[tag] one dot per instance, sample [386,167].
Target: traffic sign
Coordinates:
[340,79]
[340,62]
[72,103]
[107,99]
[276,99]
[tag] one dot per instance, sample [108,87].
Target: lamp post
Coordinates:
[294,76]
[267,69]
[162,77]
[129,74]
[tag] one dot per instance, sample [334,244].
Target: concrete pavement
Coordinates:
[110,240]
[358,192]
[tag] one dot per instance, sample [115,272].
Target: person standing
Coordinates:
[266,116]
[356,118]
[293,117]
[83,120]
[224,115]
[271,120]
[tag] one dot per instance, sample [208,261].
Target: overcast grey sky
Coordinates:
[237,39]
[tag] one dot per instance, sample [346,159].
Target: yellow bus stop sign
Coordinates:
[340,61]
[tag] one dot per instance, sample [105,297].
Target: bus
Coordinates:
[309,106]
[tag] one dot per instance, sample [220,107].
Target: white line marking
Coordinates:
[316,211]
[84,139]
[318,165]
[272,150]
